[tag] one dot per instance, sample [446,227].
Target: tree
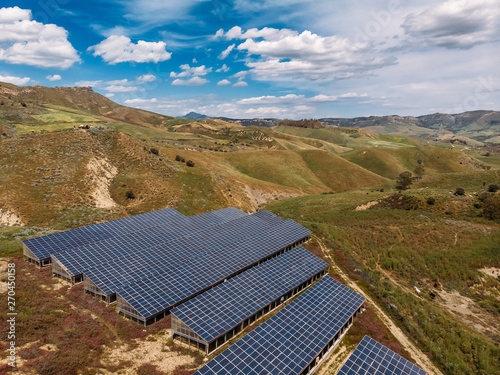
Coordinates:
[419,171]
[189,163]
[404,180]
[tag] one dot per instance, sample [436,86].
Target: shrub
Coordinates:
[459,191]
[493,188]
[491,208]
[154,151]
[484,195]
[178,158]
[431,201]
[189,163]
[130,194]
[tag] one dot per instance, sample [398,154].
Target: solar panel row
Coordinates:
[372,358]
[119,271]
[220,309]
[139,246]
[43,247]
[212,265]
[290,341]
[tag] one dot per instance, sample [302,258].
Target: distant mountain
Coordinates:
[264,122]
[468,127]
[195,116]
[478,126]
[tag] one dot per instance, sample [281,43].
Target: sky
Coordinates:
[261,58]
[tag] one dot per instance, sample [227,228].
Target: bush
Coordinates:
[459,191]
[154,151]
[491,208]
[130,194]
[189,163]
[178,158]
[484,195]
[493,188]
[431,201]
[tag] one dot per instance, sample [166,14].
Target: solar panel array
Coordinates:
[210,265]
[372,358]
[139,246]
[220,309]
[44,246]
[290,340]
[144,262]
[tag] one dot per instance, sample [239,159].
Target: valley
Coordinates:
[427,257]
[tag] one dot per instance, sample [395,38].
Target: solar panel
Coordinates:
[208,266]
[289,341]
[220,309]
[44,246]
[371,357]
[154,247]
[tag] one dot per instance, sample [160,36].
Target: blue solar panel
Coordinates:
[43,247]
[145,245]
[372,358]
[179,281]
[290,340]
[220,309]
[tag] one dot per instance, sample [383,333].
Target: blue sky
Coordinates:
[261,58]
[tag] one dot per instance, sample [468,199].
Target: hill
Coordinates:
[338,181]
[194,115]
[469,127]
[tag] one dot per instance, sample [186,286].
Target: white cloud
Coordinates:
[267,33]
[27,42]
[15,80]
[117,49]
[146,78]
[223,82]
[270,99]
[226,52]
[456,23]
[139,101]
[266,111]
[194,81]
[88,83]
[11,15]
[120,88]
[286,54]
[188,71]
[124,81]
[55,77]
[240,84]
[191,76]
[110,94]
[224,68]
[329,98]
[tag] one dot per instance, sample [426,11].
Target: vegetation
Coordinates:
[342,181]
[404,181]
[311,123]
[389,251]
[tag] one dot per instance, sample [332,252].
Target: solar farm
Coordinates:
[215,274]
